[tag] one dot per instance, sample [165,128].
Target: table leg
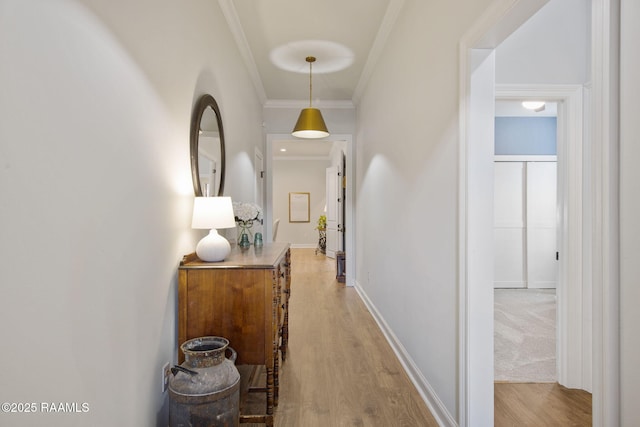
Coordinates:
[270,388]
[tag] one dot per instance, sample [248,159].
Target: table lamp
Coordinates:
[213,213]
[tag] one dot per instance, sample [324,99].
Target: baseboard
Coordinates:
[303,246]
[435,405]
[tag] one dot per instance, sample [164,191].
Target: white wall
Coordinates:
[629,213]
[97,194]
[299,176]
[407,190]
[553,46]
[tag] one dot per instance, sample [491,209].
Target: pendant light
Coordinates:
[310,124]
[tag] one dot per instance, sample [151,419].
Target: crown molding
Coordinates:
[389,20]
[314,158]
[233,21]
[231,15]
[298,103]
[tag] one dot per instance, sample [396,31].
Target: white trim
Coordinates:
[463,292]
[257,153]
[326,158]
[303,246]
[525,158]
[605,28]
[497,22]
[390,16]
[298,104]
[430,397]
[570,319]
[509,284]
[231,15]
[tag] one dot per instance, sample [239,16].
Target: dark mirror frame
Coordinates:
[198,111]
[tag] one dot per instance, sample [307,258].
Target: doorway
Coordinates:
[344,144]
[598,186]
[525,239]
[573,316]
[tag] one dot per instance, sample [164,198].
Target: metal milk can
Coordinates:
[205,389]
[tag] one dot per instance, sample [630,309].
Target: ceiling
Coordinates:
[513,108]
[275,37]
[288,29]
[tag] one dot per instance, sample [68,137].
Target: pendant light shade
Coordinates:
[310,123]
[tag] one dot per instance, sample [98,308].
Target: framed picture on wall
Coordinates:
[299,207]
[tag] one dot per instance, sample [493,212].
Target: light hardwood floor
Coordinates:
[540,404]
[340,370]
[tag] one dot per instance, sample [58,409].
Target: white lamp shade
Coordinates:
[213,212]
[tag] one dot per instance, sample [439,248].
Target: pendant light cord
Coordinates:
[310,60]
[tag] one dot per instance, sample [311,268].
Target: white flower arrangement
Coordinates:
[245,215]
[247,212]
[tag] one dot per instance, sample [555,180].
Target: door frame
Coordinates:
[502,17]
[258,164]
[573,333]
[332,177]
[349,220]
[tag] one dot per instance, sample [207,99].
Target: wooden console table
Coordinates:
[245,299]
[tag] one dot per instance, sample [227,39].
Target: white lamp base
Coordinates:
[213,247]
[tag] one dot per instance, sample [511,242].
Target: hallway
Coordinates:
[340,371]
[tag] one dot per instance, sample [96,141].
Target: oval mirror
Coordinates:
[207,148]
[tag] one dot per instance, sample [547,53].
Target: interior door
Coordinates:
[542,266]
[258,165]
[332,195]
[525,224]
[509,225]
[209,180]
[342,202]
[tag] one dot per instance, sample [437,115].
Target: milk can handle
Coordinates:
[177,368]
[234,355]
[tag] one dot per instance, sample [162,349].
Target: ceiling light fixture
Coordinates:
[536,106]
[310,124]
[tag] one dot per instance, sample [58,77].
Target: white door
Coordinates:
[208,170]
[332,195]
[509,225]
[542,266]
[342,202]
[525,224]
[258,165]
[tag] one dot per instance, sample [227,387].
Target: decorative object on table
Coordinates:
[322,234]
[244,241]
[247,215]
[247,298]
[205,389]
[310,123]
[299,207]
[213,213]
[257,241]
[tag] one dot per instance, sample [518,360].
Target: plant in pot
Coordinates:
[322,222]
[322,230]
